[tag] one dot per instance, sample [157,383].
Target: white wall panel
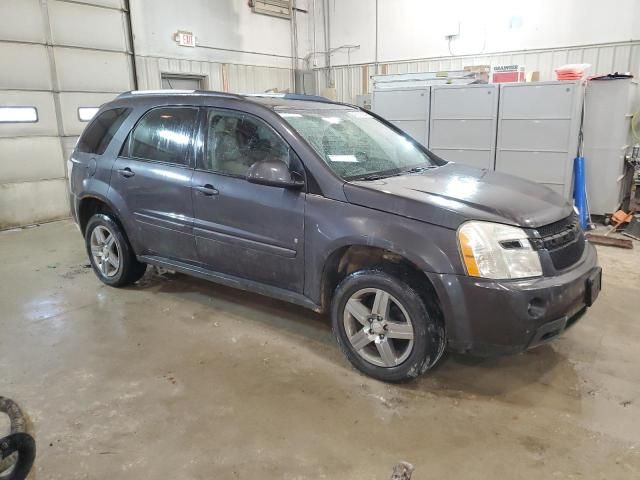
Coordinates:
[24,66]
[603,59]
[150,70]
[32,167]
[226,32]
[104,3]
[69,103]
[414,29]
[21,20]
[43,101]
[32,202]
[91,70]
[28,159]
[257,79]
[87,26]
[68,144]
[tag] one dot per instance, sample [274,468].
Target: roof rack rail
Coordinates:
[169,91]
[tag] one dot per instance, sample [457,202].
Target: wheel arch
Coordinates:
[347,259]
[89,205]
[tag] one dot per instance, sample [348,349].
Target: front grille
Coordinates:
[567,255]
[559,226]
[563,239]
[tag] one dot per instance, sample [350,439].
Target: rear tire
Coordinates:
[384,328]
[110,253]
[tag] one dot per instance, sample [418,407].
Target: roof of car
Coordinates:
[275,101]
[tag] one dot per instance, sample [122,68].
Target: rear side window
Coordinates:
[100,132]
[163,135]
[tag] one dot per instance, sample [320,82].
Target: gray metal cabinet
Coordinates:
[608,107]
[463,123]
[538,126]
[407,108]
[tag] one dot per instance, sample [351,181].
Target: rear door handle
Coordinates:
[126,172]
[207,190]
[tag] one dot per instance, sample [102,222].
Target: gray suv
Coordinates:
[331,207]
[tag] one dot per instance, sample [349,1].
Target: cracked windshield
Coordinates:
[356,145]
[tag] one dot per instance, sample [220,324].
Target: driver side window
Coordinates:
[234,141]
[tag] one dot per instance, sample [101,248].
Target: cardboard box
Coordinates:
[507,73]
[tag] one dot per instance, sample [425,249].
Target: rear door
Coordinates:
[153,177]
[247,230]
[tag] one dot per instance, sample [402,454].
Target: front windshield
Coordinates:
[356,145]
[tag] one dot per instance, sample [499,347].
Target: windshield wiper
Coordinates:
[419,169]
[373,176]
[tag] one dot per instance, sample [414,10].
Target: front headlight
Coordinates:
[492,250]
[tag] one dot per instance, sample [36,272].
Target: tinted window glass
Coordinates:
[164,135]
[235,141]
[98,134]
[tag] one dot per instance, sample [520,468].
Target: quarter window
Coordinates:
[163,135]
[235,141]
[98,134]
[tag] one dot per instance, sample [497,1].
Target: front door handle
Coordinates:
[126,172]
[208,190]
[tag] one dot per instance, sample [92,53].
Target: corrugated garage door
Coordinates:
[61,58]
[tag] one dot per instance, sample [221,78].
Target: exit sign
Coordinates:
[185,39]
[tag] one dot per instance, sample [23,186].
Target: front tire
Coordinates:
[384,328]
[110,253]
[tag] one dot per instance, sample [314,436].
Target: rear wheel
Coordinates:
[110,253]
[383,326]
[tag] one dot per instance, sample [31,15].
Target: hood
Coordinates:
[453,193]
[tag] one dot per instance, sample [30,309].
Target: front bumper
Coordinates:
[493,317]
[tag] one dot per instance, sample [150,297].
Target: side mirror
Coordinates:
[274,173]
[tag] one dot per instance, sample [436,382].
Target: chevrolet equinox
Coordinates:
[333,208]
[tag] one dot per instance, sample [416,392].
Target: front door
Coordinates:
[153,177]
[243,229]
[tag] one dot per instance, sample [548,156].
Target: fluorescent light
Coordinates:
[87,113]
[290,115]
[18,114]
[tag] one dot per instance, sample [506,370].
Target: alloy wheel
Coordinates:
[105,251]
[378,327]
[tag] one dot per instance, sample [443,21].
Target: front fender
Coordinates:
[331,225]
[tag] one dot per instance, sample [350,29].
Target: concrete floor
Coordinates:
[180,378]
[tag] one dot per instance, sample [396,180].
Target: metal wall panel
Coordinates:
[54,53]
[604,58]
[119,4]
[92,70]
[538,126]
[87,26]
[33,202]
[21,21]
[461,134]
[69,104]
[473,158]
[44,161]
[150,70]
[44,103]
[406,104]
[257,79]
[406,108]
[24,66]
[463,123]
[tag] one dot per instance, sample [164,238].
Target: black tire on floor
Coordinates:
[130,270]
[428,335]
